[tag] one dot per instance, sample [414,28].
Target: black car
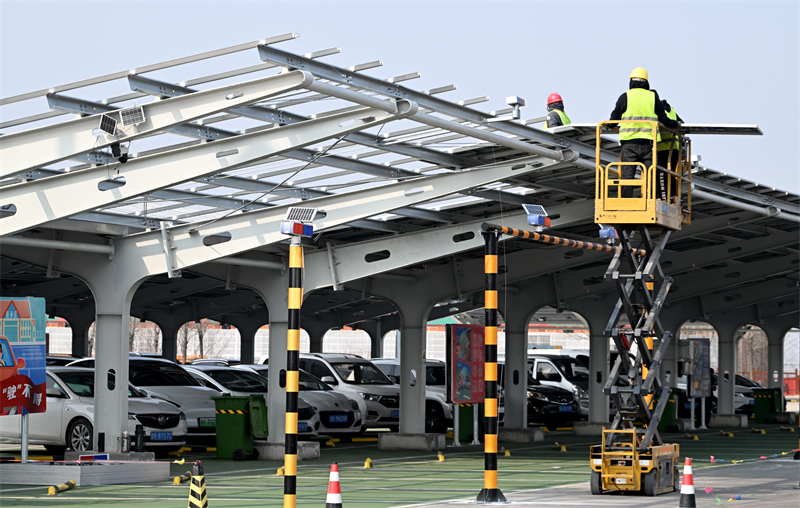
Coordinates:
[548,405]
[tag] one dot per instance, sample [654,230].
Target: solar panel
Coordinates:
[108,125]
[534,210]
[301,214]
[132,116]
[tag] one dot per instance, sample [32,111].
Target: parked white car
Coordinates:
[69,419]
[377,397]
[338,415]
[564,372]
[438,415]
[167,380]
[238,382]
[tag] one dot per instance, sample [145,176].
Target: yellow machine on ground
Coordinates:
[632,456]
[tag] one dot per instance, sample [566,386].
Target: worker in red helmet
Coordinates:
[555,112]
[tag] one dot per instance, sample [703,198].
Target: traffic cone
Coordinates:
[334,499]
[687,486]
[197,490]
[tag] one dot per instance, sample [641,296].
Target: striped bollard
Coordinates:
[490,493]
[292,373]
[687,486]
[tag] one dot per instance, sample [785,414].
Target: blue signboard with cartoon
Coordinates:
[22,356]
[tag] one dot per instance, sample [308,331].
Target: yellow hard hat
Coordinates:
[639,72]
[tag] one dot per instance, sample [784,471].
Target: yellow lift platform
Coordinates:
[632,456]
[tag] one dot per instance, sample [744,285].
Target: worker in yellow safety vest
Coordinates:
[555,112]
[669,141]
[636,139]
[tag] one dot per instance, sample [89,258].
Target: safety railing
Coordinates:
[614,193]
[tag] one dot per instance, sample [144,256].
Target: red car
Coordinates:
[9,366]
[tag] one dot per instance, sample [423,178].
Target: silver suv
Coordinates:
[438,416]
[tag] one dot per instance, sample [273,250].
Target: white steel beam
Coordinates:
[418,247]
[39,147]
[54,198]
[142,255]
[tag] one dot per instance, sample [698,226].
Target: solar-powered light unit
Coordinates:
[609,233]
[298,222]
[537,217]
[131,116]
[108,125]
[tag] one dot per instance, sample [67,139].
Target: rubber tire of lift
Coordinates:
[255,454]
[596,483]
[650,483]
[676,480]
[238,454]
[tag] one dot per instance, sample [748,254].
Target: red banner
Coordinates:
[19,392]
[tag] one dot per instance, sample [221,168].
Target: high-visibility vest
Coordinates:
[668,138]
[641,106]
[564,118]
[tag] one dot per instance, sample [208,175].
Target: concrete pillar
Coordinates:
[169,338]
[412,397]
[316,333]
[598,375]
[729,335]
[79,324]
[776,330]
[515,386]
[374,330]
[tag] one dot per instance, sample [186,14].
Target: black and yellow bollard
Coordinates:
[292,371]
[490,493]
[197,490]
[55,489]
[182,478]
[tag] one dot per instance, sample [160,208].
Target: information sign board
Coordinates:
[465,362]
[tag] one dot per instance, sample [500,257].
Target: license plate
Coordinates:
[395,413]
[688,405]
[161,436]
[565,409]
[337,419]
[622,480]
[302,427]
[207,422]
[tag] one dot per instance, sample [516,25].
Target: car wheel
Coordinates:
[55,449]
[79,435]
[434,419]
[649,483]
[596,483]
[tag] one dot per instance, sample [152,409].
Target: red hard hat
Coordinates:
[554,97]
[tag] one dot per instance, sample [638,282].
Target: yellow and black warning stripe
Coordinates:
[490,492]
[292,372]
[231,412]
[566,242]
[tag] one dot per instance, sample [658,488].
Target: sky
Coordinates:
[715,62]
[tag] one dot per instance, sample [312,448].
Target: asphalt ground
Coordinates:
[533,475]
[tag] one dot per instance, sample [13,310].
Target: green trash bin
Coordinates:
[465,421]
[670,414]
[768,401]
[240,420]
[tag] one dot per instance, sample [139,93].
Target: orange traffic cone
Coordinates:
[687,486]
[334,499]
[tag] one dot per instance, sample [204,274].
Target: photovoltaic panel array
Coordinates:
[132,116]
[301,214]
[534,210]
[108,125]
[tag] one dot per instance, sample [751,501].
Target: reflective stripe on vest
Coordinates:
[668,138]
[641,106]
[564,118]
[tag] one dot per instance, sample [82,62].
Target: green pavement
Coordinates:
[397,478]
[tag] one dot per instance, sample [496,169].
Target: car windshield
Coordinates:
[573,369]
[144,373]
[82,384]
[309,382]
[238,380]
[361,373]
[435,376]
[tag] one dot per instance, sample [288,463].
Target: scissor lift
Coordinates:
[632,455]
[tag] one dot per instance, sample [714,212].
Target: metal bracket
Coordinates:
[52,260]
[332,264]
[229,285]
[169,252]
[457,277]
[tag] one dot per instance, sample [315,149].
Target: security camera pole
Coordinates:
[297,224]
